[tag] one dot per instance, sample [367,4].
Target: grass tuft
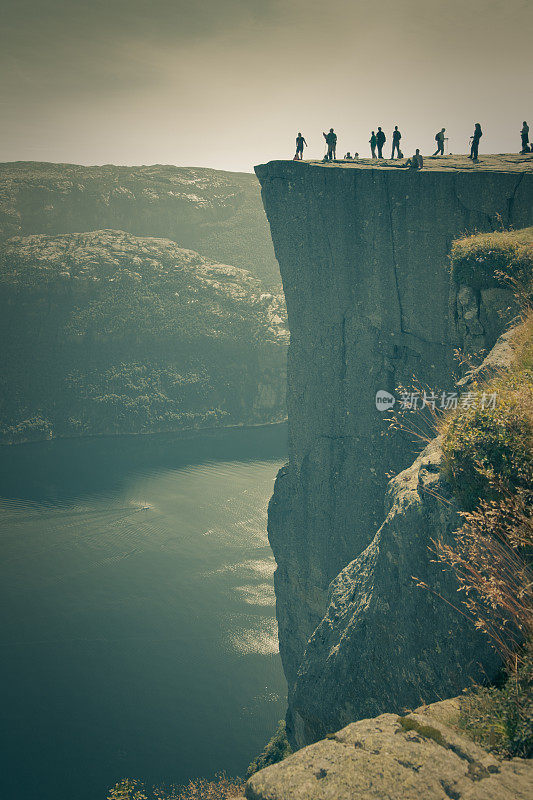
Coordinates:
[487,260]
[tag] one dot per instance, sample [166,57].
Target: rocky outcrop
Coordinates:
[363,252]
[385,642]
[105,332]
[414,757]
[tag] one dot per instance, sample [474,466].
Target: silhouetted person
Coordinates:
[348,156]
[524,133]
[300,142]
[372,143]
[396,136]
[331,141]
[416,161]
[439,138]
[380,141]
[478,133]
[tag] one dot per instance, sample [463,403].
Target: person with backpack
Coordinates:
[396,136]
[380,141]
[439,138]
[331,141]
[478,133]
[524,133]
[372,144]
[300,143]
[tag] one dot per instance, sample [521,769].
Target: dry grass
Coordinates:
[488,460]
[221,788]
[485,260]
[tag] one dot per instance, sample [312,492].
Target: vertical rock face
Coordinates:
[363,256]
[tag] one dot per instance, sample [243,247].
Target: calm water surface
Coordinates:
[138,635]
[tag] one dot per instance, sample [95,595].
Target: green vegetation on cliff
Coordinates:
[276,749]
[496,439]
[488,461]
[501,717]
[486,260]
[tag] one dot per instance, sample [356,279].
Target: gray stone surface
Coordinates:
[363,251]
[385,643]
[387,758]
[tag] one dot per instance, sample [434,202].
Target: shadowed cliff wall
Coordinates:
[363,253]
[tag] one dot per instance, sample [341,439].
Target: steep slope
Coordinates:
[105,332]
[219,214]
[363,252]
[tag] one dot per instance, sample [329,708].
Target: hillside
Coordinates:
[219,214]
[106,332]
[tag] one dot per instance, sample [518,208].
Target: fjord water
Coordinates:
[138,636]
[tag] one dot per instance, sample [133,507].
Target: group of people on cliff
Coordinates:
[378,139]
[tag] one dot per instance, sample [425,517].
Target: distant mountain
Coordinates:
[218,214]
[107,332]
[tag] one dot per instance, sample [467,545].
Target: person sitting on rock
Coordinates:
[372,143]
[300,143]
[331,141]
[524,133]
[478,133]
[416,161]
[380,141]
[396,136]
[439,138]
[348,156]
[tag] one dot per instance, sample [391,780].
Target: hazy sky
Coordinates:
[228,83]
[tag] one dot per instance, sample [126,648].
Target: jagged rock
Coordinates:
[499,358]
[363,251]
[415,757]
[384,642]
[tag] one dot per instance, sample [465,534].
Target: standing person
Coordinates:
[439,138]
[300,143]
[380,141]
[478,133]
[396,136]
[372,143]
[524,133]
[331,141]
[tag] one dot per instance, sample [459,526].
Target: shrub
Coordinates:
[482,442]
[492,558]
[276,749]
[488,460]
[220,788]
[501,717]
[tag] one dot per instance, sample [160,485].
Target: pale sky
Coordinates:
[229,83]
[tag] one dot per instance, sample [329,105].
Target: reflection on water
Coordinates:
[137,615]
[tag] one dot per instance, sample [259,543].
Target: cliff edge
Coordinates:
[363,252]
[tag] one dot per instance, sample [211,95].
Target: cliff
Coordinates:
[363,252]
[106,332]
